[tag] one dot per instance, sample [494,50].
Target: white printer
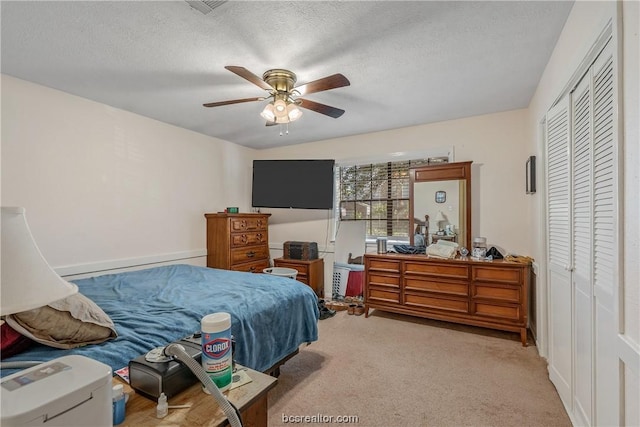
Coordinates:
[67,391]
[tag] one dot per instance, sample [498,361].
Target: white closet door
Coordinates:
[559,248]
[581,108]
[605,229]
[582,180]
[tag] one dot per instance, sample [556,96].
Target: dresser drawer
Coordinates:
[421,284]
[384,280]
[496,292]
[446,271]
[380,295]
[248,224]
[250,253]
[247,239]
[444,304]
[502,275]
[503,311]
[252,267]
[384,264]
[303,269]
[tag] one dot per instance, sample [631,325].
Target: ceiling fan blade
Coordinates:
[233,101]
[248,75]
[270,123]
[326,83]
[320,108]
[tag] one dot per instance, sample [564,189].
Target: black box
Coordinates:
[300,250]
[152,378]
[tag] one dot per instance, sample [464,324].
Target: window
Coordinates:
[377,193]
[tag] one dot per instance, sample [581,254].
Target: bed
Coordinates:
[271,316]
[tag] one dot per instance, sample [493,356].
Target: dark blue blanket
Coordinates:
[270,316]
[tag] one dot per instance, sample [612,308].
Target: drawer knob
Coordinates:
[251,254]
[244,238]
[252,269]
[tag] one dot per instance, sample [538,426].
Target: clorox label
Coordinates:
[217,348]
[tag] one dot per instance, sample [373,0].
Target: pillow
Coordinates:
[70,322]
[12,342]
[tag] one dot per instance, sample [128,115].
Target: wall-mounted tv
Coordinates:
[301,184]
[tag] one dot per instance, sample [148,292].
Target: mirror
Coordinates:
[440,203]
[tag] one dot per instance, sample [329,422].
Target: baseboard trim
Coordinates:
[102,266]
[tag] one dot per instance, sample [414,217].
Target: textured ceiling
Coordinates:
[409,63]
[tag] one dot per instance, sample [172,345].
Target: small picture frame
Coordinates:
[531,175]
[441,196]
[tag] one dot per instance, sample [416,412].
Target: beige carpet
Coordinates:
[395,370]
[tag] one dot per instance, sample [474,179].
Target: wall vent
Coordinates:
[205,6]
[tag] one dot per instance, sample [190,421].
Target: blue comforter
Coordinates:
[270,316]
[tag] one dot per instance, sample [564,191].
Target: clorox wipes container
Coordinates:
[216,348]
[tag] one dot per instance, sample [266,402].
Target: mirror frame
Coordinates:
[441,172]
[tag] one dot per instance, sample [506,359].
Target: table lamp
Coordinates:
[45,391]
[27,280]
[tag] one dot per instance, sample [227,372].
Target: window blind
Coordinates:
[377,193]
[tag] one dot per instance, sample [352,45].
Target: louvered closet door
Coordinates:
[559,248]
[582,225]
[605,253]
[582,249]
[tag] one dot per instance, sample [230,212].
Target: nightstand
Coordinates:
[310,272]
[250,399]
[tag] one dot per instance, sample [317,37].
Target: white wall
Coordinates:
[631,153]
[495,143]
[586,21]
[104,187]
[425,203]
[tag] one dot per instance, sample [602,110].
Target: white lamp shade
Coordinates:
[293,112]
[28,281]
[280,108]
[268,113]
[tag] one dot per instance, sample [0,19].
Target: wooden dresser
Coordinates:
[491,294]
[310,272]
[238,241]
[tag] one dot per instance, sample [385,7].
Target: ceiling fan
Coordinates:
[283,107]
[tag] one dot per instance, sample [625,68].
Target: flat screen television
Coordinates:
[301,184]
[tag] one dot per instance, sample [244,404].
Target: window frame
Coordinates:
[390,159]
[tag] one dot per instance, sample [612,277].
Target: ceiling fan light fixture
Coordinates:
[283,107]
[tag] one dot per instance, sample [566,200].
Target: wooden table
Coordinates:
[250,399]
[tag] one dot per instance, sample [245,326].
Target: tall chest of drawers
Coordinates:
[238,241]
[491,294]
